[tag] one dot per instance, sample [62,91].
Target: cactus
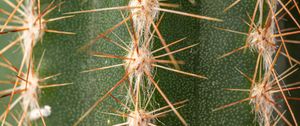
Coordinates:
[149,62]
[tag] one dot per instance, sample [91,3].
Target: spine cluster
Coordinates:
[141,60]
[266,38]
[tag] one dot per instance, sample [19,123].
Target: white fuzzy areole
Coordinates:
[142,17]
[262,105]
[141,62]
[30,98]
[141,118]
[39,113]
[261,40]
[30,95]
[34,31]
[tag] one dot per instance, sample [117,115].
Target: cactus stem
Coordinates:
[139,64]
[32,30]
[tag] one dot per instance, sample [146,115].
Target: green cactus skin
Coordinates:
[63,55]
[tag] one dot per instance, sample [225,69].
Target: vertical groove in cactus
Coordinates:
[198,80]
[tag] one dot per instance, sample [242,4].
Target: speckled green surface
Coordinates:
[62,56]
[204,95]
